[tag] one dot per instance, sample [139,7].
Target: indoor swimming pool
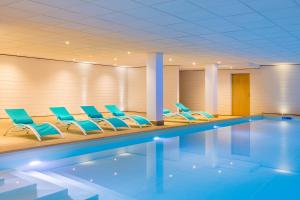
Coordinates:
[237,159]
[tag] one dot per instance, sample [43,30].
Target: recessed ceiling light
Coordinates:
[67,42]
[115,59]
[128,52]
[194,63]
[170,59]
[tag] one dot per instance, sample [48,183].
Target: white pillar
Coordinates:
[211,88]
[155,87]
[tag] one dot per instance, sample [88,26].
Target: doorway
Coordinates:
[240,94]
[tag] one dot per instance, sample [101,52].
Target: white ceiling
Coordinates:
[236,32]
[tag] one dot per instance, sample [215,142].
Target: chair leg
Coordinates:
[8,130]
[67,129]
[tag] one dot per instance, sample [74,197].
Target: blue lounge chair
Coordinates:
[64,117]
[139,120]
[185,109]
[97,116]
[187,116]
[23,121]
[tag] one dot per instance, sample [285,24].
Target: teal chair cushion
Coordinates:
[206,114]
[140,120]
[62,113]
[182,107]
[188,116]
[185,109]
[19,116]
[115,110]
[87,125]
[45,129]
[23,121]
[92,112]
[166,111]
[66,117]
[118,114]
[117,122]
[95,116]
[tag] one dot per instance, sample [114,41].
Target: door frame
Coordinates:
[232,103]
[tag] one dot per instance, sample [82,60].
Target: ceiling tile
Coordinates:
[234,31]
[153,16]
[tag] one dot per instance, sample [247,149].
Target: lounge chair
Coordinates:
[185,109]
[23,121]
[97,116]
[64,117]
[139,120]
[187,116]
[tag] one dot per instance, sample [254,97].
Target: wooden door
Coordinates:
[240,94]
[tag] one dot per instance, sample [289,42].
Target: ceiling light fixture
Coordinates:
[170,59]
[115,59]
[128,52]
[194,63]
[67,42]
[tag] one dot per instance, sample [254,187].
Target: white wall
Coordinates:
[281,89]
[36,84]
[273,89]
[192,89]
[171,87]
[137,88]
[224,91]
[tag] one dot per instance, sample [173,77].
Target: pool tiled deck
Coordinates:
[16,141]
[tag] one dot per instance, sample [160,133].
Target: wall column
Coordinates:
[155,88]
[211,88]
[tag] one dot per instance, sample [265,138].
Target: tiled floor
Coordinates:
[20,140]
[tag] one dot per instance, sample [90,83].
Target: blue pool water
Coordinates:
[249,160]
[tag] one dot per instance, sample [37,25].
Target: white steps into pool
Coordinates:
[45,189]
[104,192]
[1,180]
[15,185]
[76,190]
